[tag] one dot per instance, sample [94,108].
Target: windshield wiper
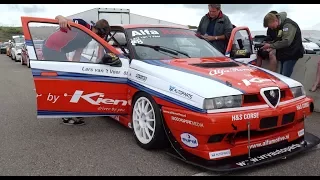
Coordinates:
[164,49]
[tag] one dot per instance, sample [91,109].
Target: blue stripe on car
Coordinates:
[78,76]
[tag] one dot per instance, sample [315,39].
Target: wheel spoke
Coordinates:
[143,133]
[149,119]
[148,113]
[145,108]
[149,127]
[139,107]
[137,112]
[147,133]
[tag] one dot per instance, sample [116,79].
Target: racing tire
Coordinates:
[148,118]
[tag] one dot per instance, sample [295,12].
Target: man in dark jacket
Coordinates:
[272,37]
[216,27]
[289,44]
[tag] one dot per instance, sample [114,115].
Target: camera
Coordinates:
[259,41]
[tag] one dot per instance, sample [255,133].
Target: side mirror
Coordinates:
[111,60]
[241,53]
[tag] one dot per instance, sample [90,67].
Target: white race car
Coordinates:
[169,85]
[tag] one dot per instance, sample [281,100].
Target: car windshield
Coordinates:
[183,42]
[18,40]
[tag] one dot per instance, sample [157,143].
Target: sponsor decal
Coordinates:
[219,154]
[303,105]
[220,72]
[301,132]
[269,142]
[268,155]
[101,70]
[239,117]
[248,82]
[180,92]
[96,98]
[135,41]
[185,121]
[144,32]
[141,77]
[174,113]
[189,140]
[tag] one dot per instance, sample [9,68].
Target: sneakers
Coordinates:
[75,121]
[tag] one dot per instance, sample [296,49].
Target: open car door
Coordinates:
[240,46]
[83,88]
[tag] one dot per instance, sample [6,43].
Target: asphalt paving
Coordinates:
[102,147]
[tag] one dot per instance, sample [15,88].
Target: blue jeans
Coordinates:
[287,67]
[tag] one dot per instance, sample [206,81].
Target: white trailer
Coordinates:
[119,16]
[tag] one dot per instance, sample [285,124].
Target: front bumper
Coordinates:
[221,136]
[258,157]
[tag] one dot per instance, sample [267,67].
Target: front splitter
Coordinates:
[261,157]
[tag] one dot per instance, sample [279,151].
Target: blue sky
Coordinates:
[250,15]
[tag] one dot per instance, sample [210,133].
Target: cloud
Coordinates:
[27,9]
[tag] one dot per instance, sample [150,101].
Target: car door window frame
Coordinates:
[95,37]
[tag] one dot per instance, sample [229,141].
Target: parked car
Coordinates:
[314,40]
[4,46]
[17,43]
[24,52]
[169,85]
[310,47]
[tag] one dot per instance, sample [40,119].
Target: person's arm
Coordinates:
[77,55]
[288,34]
[64,22]
[228,27]
[199,27]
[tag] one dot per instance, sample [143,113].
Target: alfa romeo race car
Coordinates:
[173,88]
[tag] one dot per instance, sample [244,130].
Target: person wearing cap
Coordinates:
[289,47]
[58,44]
[215,27]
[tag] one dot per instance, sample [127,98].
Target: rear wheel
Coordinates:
[146,123]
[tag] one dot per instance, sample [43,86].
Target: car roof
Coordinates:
[133,26]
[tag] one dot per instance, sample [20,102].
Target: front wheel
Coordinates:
[146,123]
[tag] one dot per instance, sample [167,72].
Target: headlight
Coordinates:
[222,102]
[298,91]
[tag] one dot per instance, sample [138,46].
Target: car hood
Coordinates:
[213,77]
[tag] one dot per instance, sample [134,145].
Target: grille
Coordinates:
[272,96]
[268,122]
[288,118]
